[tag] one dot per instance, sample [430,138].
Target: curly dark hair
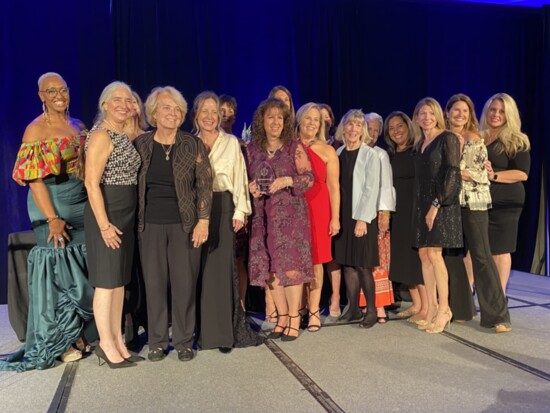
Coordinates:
[258,132]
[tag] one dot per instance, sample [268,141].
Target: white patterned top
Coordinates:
[123,164]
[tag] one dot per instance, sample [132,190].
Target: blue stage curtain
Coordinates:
[72,38]
[378,56]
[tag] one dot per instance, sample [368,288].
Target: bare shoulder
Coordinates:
[34,131]
[472,136]
[99,137]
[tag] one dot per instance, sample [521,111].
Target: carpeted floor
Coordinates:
[389,368]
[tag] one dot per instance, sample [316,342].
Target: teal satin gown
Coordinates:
[60,297]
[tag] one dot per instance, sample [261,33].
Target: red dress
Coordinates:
[318,203]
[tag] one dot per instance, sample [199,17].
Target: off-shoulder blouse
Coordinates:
[56,156]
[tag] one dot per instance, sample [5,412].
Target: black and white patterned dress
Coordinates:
[111,268]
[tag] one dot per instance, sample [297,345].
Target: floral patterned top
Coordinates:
[475,194]
[57,156]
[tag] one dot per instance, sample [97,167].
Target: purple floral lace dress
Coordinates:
[280,237]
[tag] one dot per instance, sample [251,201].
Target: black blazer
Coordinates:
[192,177]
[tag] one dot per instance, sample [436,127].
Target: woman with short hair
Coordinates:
[175,199]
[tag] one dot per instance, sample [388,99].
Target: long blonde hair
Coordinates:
[511,139]
[439,118]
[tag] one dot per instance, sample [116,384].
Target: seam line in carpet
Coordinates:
[313,388]
[61,396]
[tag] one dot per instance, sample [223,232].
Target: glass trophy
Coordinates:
[264,177]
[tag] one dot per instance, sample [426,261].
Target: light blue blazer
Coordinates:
[366,183]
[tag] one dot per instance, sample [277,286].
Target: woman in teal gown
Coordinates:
[60,297]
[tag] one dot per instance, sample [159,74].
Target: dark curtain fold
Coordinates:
[72,38]
[378,56]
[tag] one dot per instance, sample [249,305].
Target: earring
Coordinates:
[67,115]
[45,112]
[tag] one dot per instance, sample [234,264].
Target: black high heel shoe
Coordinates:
[287,337]
[369,320]
[274,335]
[102,356]
[349,317]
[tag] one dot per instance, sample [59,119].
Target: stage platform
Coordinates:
[389,368]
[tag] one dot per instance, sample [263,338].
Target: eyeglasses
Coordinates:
[52,92]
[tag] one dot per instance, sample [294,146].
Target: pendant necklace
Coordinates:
[272,153]
[167,150]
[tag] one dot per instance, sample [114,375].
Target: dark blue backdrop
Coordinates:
[379,56]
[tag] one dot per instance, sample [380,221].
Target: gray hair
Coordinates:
[375,116]
[357,115]
[46,75]
[106,95]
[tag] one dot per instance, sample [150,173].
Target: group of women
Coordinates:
[316,199]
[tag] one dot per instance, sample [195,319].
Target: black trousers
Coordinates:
[217,268]
[168,258]
[461,300]
[492,301]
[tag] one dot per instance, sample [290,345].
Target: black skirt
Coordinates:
[107,267]
[347,249]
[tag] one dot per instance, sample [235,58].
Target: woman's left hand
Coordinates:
[279,183]
[334,227]
[360,229]
[58,232]
[430,217]
[237,225]
[200,233]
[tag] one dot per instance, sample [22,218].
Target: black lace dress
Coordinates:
[437,175]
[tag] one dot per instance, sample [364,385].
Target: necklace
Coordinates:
[272,153]
[311,142]
[167,150]
[111,127]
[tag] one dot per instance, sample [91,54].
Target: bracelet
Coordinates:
[103,230]
[289,180]
[495,176]
[385,214]
[436,204]
[48,220]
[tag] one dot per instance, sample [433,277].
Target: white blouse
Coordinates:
[386,196]
[229,170]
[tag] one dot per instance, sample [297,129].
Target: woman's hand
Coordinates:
[200,233]
[280,183]
[58,232]
[430,217]
[111,237]
[490,172]
[360,229]
[334,227]
[254,189]
[237,225]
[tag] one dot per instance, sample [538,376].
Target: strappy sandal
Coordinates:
[272,318]
[82,345]
[315,327]
[287,337]
[274,335]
